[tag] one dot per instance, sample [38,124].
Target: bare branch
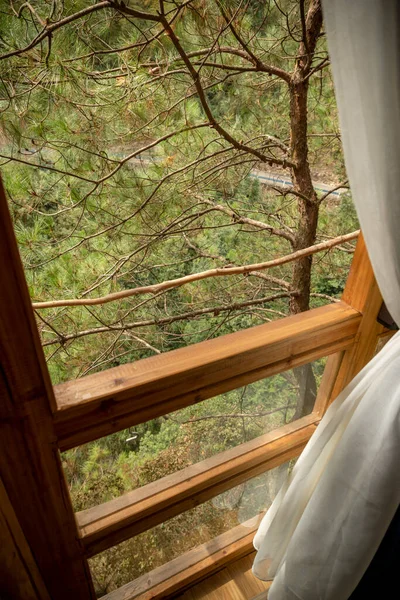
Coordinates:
[271,70]
[215,310]
[202,97]
[345,184]
[253,222]
[146,344]
[219,272]
[325,297]
[275,280]
[236,415]
[123,8]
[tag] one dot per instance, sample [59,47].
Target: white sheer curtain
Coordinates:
[328,520]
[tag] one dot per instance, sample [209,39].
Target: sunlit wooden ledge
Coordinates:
[180,573]
[235,581]
[100,404]
[108,524]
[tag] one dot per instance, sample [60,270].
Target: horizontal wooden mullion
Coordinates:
[115,399]
[193,566]
[117,520]
[76,434]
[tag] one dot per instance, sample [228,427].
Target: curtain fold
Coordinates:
[328,520]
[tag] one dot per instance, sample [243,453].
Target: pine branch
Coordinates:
[49,28]
[237,218]
[203,100]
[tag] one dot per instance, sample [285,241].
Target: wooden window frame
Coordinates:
[103,403]
[38,420]
[189,568]
[132,513]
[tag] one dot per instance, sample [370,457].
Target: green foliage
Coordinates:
[347,212]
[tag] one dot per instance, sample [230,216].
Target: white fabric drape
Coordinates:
[328,520]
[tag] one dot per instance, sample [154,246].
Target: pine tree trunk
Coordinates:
[308,207]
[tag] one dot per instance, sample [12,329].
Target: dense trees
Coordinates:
[132,140]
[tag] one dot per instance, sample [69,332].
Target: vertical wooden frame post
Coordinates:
[361,293]
[19,573]
[30,467]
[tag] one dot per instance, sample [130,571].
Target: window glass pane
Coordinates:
[106,468]
[167,541]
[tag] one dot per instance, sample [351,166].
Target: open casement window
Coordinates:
[46,547]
